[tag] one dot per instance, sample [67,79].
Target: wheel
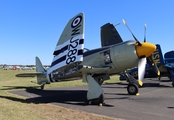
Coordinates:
[97,101]
[159,78]
[99,81]
[42,86]
[172,84]
[132,89]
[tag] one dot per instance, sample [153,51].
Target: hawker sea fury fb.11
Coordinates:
[93,66]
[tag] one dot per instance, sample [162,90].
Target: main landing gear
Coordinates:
[97,101]
[133,87]
[95,92]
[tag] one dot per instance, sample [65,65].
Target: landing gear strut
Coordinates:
[95,92]
[133,86]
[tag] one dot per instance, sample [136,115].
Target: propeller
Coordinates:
[150,59]
[153,65]
[131,33]
[143,50]
[141,70]
[145,26]
[117,24]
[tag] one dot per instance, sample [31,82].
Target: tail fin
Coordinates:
[39,66]
[109,35]
[41,78]
[158,56]
[169,57]
[41,74]
[69,49]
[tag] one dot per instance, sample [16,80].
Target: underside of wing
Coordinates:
[95,69]
[34,74]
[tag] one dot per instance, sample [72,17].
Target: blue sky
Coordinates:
[30,28]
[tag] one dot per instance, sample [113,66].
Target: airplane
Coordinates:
[165,65]
[94,66]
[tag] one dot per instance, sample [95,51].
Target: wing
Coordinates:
[74,27]
[109,35]
[69,49]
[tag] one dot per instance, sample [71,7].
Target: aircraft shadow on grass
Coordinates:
[74,97]
[19,87]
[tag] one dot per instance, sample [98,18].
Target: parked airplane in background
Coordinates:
[94,66]
[165,65]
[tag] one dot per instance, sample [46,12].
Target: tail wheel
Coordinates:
[132,89]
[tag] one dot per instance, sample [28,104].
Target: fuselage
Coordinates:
[119,57]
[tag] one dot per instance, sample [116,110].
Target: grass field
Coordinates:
[14,107]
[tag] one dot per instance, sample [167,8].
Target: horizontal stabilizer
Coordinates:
[34,74]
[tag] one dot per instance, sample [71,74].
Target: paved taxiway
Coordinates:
[155,102]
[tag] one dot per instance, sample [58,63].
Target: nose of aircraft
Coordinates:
[146,49]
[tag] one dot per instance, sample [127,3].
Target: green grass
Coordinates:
[14,107]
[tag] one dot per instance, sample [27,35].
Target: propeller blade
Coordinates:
[117,24]
[153,65]
[141,70]
[124,22]
[145,26]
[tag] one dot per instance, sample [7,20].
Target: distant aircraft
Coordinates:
[94,66]
[165,65]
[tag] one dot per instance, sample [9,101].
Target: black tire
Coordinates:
[159,78]
[97,101]
[42,86]
[132,89]
[99,81]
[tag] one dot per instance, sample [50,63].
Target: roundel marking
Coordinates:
[76,21]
